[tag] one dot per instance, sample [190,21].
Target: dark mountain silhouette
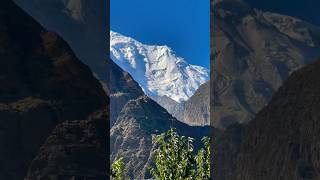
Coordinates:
[83,24]
[44,85]
[282,141]
[74,149]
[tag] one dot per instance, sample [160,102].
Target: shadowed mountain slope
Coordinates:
[43,84]
[282,141]
[82,23]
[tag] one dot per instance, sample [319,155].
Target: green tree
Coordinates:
[175,158]
[203,160]
[118,170]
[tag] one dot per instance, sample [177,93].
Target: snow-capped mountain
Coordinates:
[158,70]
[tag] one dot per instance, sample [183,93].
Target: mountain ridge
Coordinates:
[158,70]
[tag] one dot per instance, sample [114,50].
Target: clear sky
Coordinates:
[308,10]
[183,25]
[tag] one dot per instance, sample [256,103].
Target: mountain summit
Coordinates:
[157,69]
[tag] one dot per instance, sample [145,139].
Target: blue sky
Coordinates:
[183,25]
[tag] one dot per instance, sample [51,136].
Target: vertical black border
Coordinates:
[107,25]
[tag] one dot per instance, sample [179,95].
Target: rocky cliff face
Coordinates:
[122,89]
[253,53]
[138,122]
[196,110]
[43,84]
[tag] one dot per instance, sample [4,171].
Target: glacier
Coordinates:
[157,69]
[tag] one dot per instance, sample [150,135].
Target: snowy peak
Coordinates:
[158,70]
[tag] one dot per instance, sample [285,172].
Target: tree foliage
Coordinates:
[118,170]
[175,158]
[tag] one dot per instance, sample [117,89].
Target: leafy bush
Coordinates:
[118,170]
[176,160]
